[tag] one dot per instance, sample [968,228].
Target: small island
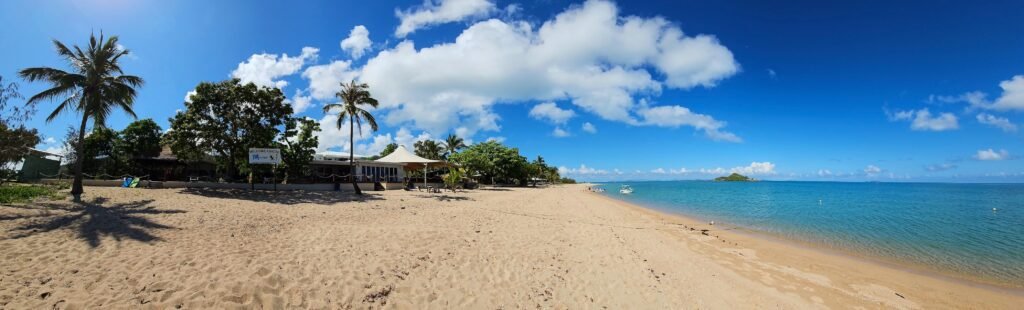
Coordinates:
[735,177]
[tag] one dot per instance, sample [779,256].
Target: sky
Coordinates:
[921,91]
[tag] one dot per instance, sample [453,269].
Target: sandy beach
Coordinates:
[556,247]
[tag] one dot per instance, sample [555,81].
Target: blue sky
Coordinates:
[806,90]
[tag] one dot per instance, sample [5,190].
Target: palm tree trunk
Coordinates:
[76,185]
[351,153]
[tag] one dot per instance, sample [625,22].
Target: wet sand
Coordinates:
[556,247]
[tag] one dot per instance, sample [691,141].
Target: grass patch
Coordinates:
[20,193]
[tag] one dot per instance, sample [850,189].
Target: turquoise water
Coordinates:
[945,227]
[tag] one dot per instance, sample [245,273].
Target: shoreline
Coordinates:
[832,255]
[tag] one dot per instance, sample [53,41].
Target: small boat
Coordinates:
[625,189]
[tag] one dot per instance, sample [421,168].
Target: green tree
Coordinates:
[453,178]
[227,118]
[99,154]
[452,144]
[388,149]
[300,143]
[15,139]
[141,139]
[352,96]
[95,87]
[429,149]
[494,163]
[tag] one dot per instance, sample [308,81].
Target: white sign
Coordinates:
[264,156]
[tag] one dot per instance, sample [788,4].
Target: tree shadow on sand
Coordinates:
[445,197]
[93,220]
[283,197]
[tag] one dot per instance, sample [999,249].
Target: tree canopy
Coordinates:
[300,143]
[141,139]
[15,139]
[493,162]
[227,118]
[429,149]
[735,177]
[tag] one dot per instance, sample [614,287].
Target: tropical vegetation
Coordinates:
[94,87]
[353,95]
[735,177]
[15,139]
[227,119]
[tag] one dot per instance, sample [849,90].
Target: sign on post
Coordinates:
[265,156]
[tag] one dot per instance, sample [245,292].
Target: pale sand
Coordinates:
[557,247]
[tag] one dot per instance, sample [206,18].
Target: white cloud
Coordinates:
[434,12]
[560,133]
[756,168]
[299,102]
[659,171]
[188,95]
[325,80]
[772,74]
[1012,98]
[698,61]
[716,171]
[496,139]
[358,42]
[992,155]
[824,173]
[872,170]
[267,69]
[582,170]
[49,140]
[924,121]
[998,122]
[1013,95]
[455,84]
[550,112]
[589,128]
[675,116]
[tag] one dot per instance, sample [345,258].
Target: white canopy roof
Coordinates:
[403,156]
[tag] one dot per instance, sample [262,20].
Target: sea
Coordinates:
[974,231]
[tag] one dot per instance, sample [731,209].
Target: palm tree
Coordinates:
[95,87]
[353,95]
[453,144]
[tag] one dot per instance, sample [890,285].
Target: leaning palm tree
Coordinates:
[95,87]
[453,144]
[353,95]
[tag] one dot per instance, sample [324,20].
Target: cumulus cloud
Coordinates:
[455,84]
[998,122]
[756,168]
[923,120]
[872,170]
[824,173]
[299,102]
[582,170]
[675,116]
[1013,95]
[589,128]
[659,171]
[434,12]
[325,80]
[560,133]
[1011,99]
[992,155]
[267,69]
[550,112]
[358,42]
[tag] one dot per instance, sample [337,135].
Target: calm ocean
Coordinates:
[945,227]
